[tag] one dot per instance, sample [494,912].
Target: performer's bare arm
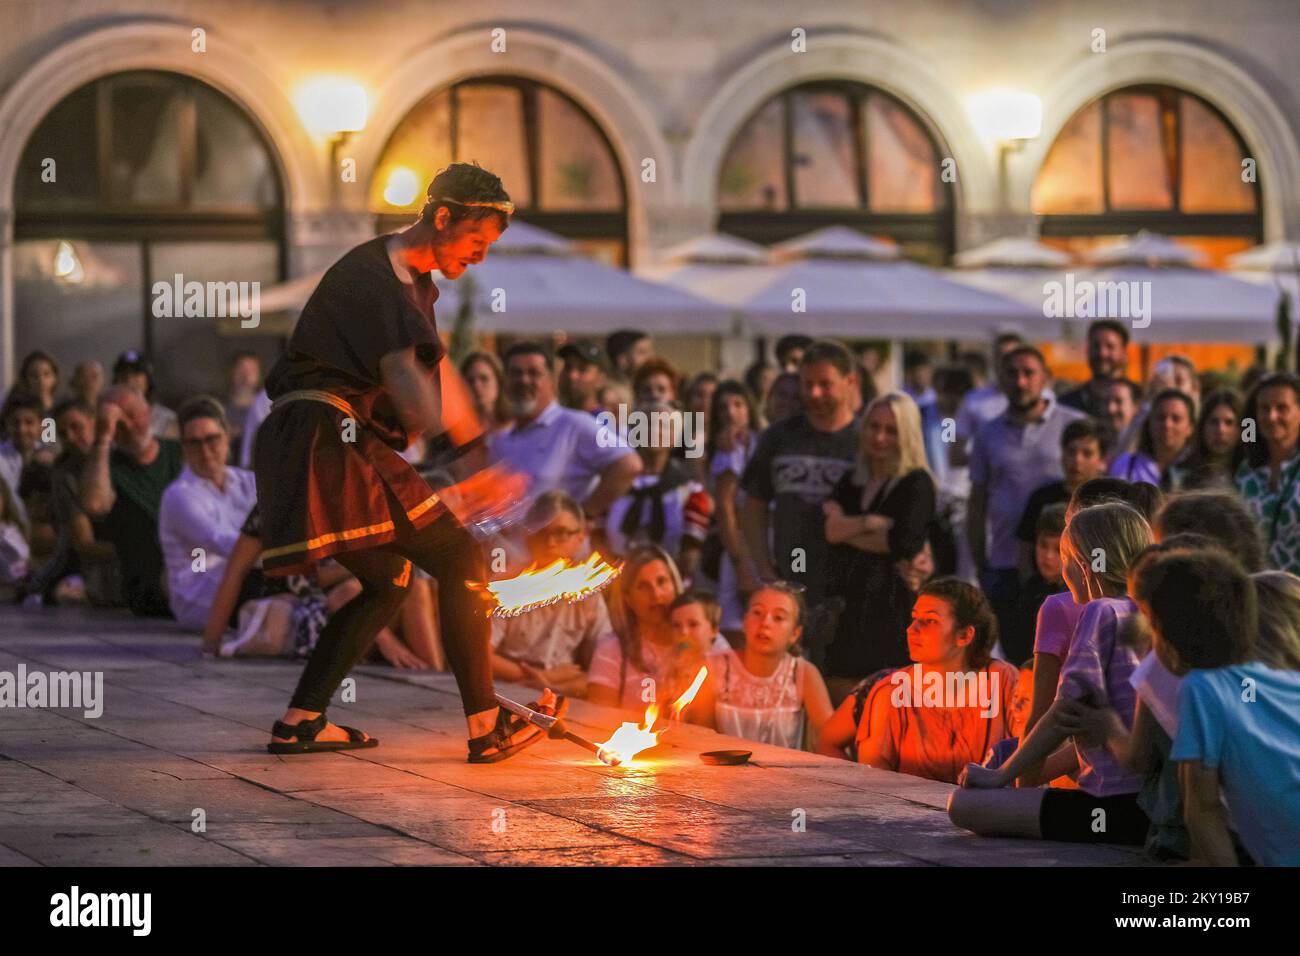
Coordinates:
[429,402]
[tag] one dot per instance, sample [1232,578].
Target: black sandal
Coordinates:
[306,731]
[508,725]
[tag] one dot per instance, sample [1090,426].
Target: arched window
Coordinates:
[133,179]
[555,161]
[829,153]
[1149,157]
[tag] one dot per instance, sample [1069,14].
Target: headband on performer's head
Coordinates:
[505,206]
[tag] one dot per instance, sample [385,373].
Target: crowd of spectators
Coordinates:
[1066,600]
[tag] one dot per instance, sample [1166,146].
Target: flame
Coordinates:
[539,587]
[629,740]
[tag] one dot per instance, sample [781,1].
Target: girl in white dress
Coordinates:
[765,693]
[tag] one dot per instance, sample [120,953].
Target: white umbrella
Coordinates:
[1271,257]
[859,287]
[1163,287]
[534,281]
[1014,253]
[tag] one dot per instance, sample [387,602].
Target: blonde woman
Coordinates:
[877,521]
[643,661]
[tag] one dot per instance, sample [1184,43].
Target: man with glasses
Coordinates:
[551,646]
[201,514]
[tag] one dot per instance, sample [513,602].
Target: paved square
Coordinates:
[182,740]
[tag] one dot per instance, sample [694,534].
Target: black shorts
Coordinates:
[1071,816]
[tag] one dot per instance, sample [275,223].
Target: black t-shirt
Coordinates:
[1052,493]
[360,312]
[795,466]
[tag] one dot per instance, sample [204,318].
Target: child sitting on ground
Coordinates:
[766,692]
[1099,545]
[1238,736]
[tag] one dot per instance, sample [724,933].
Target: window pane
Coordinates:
[825,173]
[1070,179]
[1211,163]
[85,304]
[419,148]
[68,136]
[232,166]
[190,354]
[1139,177]
[753,174]
[145,164]
[903,172]
[577,171]
[490,132]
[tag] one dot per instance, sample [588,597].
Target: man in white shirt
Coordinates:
[559,448]
[202,512]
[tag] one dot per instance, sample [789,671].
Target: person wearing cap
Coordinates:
[364,375]
[134,369]
[584,374]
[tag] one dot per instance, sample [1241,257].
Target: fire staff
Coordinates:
[365,373]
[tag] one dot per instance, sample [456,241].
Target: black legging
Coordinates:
[452,556]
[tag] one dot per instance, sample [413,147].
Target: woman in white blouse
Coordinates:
[202,511]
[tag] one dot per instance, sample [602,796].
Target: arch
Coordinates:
[1209,75]
[565,63]
[837,55]
[163,46]
[146,45]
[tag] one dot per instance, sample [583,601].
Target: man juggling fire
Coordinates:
[364,375]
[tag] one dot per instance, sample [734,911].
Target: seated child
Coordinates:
[696,616]
[766,692]
[1238,739]
[1097,671]
[1043,581]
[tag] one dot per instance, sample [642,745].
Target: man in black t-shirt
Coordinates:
[793,469]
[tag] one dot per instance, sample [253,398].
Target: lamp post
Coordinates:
[332,109]
[1010,119]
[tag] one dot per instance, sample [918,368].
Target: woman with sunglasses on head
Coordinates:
[551,646]
[644,661]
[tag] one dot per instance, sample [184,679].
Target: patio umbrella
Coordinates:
[534,281]
[860,287]
[1182,303]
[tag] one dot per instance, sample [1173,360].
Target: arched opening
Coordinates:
[556,162]
[837,153]
[130,180]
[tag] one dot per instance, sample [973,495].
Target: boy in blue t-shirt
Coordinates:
[1239,719]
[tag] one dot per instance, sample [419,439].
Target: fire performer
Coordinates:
[364,375]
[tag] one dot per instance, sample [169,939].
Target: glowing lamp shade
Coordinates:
[402,187]
[330,106]
[1006,115]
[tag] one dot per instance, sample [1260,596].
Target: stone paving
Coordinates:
[180,734]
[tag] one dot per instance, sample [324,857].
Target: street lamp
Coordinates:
[1009,118]
[333,108]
